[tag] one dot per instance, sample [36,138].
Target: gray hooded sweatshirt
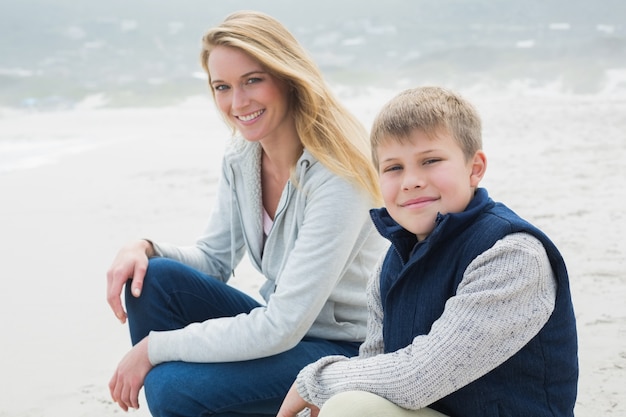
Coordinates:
[316,261]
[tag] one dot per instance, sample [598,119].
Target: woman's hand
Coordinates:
[293,404]
[130,375]
[131,262]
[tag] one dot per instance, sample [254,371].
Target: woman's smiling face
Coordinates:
[250,98]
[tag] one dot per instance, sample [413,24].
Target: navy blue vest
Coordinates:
[417,279]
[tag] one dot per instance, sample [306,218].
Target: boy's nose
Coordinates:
[411,179]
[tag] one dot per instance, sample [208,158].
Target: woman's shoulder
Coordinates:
[242,157]
[313,173]
[238,147]
[316,179]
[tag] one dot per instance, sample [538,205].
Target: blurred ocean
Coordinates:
[67,55]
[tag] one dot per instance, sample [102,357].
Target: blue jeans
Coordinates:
[175,295]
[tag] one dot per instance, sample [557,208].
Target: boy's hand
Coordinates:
[293,404]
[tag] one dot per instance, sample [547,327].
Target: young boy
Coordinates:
[470,311]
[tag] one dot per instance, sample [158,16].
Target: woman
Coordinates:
[294,193]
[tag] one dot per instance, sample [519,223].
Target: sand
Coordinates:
[558,161]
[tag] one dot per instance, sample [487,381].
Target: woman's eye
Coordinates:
[253,80]
[220,87]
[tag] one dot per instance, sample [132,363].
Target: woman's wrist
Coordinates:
[148,247]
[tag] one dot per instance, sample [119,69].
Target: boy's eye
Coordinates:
[431,161]
[392,168]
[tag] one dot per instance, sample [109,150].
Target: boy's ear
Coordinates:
[479,166]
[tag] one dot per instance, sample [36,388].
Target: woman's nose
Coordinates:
[240,98]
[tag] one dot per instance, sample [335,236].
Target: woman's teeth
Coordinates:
[250,116]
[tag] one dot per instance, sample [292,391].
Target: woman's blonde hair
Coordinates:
[326,128]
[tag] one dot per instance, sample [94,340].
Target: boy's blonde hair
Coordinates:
[430,110]
[326,128]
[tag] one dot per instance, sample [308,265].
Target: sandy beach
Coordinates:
[559,161]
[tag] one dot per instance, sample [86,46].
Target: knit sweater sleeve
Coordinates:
[506,296]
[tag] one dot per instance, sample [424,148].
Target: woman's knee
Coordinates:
[175,389]
[162,270]
[157,391]
[160,274]
[165,392]
[151,310]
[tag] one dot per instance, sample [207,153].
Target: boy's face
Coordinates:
[423,176]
